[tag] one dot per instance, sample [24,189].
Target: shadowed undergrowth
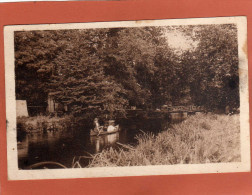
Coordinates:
[202,138]
[37,123]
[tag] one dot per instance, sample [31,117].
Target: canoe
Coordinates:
[103,132]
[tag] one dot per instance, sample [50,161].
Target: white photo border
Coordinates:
[12,158]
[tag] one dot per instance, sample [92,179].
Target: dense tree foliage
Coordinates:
[212,68]
[104,71]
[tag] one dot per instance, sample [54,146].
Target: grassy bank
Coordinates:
[202,138]
[38,123]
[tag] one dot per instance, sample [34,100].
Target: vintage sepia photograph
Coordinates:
[127,98]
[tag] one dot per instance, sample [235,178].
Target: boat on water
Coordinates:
[104,131]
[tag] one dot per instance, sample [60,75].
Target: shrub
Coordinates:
[38,123]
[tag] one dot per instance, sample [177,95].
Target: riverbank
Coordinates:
[201,138]
[42,123]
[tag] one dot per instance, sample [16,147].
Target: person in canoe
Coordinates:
[97,127]
[111,126]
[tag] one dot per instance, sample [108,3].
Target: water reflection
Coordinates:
[40,147]
[60,147]
[64,146]
[103,141]
[23,148]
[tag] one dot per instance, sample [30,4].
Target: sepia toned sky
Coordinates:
[179,41]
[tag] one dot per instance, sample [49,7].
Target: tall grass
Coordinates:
[202,138]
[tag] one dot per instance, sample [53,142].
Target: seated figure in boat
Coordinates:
[97,127]
[111,126]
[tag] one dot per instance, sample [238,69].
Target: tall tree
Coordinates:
[103,71]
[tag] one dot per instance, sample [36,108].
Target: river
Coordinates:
[64,146]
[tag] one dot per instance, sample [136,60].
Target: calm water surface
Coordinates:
[63,146]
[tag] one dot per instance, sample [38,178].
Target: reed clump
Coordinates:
[202,138]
